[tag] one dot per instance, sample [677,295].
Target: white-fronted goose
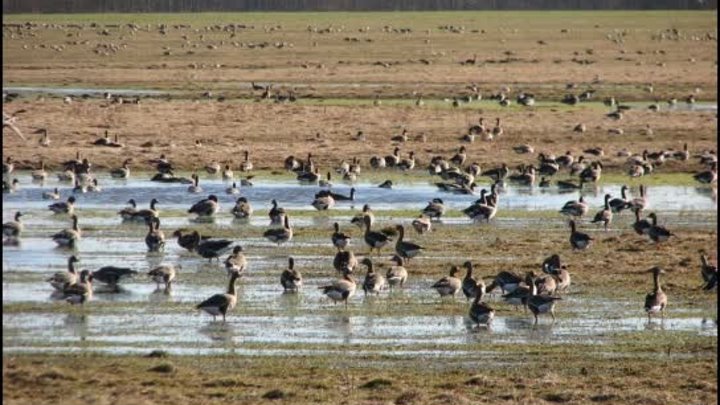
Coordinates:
[112,275]
[242,208]
[291,279]
[64,278]
[497,130]
[520,294]
[656,232]
[340,290]
[121,172]
[206,207]
[575,208]
[448,285]
[396,275]
[579,240]
[374,282]
[540,304]
[146,214]
[565,160]
[617,205]
[51,195]
[656,301]
[422,224]
[708,272]
[81,291]
[280,235]
[604,215]
[220,304]
[435,209]
[13,229]
[359,219]
[188,241]
[246,165]
[481,313]
[164,274]
[469,284]
[155,238]
[68,237]
[525,178]
[339,239]
[236,261]
[405,249]
[227,174]
[195,187]
[375,240]
[707,176]
[67,207]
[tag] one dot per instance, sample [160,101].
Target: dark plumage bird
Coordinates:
[507,282]
[435,209]
[345,261]
[242,208]
[579,240]
[276,214]
[656,232]
[67,207]
[213,248]
[280,235]
[469,284]
[374,282]
[375,240]
[641,226]
[112,275]
[155,238]
[219,304]
[481,313]
[448,285]
[656,301]
[604,215]
[540,304]
[291,279]
[206,207]
[164,274]
[339,239]
[236,261]
[708,272]
[404,249]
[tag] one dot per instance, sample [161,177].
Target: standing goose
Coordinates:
[68,237]
[236,261]
[206,207]
[575,208]
[345,261]
[232,189]
[374,282]
[340,290]
[640,203]
[51,195]
[164,274]
[280,235]
[469,284]
[147,214]
[422,224]
[592,173]
[540,304]
[213,248]
[79,292]
[64,278]
[404,249]
[708,272]
[641,226]
[112,275]
[242,208]
[435,209]
[459,158]
[339,239]
[407,164]
[507,281]
[375,240]
[359,219]
[448,285]
[551,264]
[656,301]
[480,212]
[604,215]
[220,304]
[394,159]
[195,187]
[708,176]
[63,207]
[276,214]
[497,130]
[396,275]
[121,172]
[227,174]
[246,165]
[189,241]
[656,232]
[481,313]
[578,166]
[13,229]
[291,279]
[39,174]
[579,240]
[545,284]
[155,238]
[617,205]
[520,294]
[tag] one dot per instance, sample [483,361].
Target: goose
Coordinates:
[79,187]
[155,238]
[236,261]
[474,169]
[551,264]
[72,164]
[497,130]
[386,184]
[579,240]
[10,187]
[128,213]
[615,115]
[522,149]
[481,212]
[345,261]
[377,162]
[195,187]
[596,151]
[520,294]
[682,154]
[481,313]
[339,239]
[457,188]
[68,237]
[147,213]
[59,280]
[478,129]
[13,229]
[189,241]
[44,139]
[435,209]
[227,174]
[396,275]
[323,203]
[708,176]
[94,187]
[232,189]
[245,181]
[51,195]
[220,304]
[404,249]
[280,235]
[565,160]
[548,168]
[448,285]
[164,274]
[469,284]
[326,183]
[162,164]
[708,272]
[104,141]
[617,205]
[562,279]
[641,227]
[212,168]
[422,224]
[498,173]
[213,248]
[291,279]
[564,185]
[507,282]
[394,159]
[540,304]
[592,173]
[81,291]
[292,164]
[375,240]
[407,164]
[545,284]
[246,165]
[276,214]
[359,219]
[574,208]
[340,290]
[656,232]
[309,177]
[460,157]
[374,282]
[121,172]
[112,275]
[526,178]
[403,137]
[605,215]
[336,196]
[580,128]
[242,208]
[39,174]
[578,166]
[640,203]
[656,301]
[544,183]
[206,207]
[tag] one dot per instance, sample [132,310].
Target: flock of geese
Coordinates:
[536,292]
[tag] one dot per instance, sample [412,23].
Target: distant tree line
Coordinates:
[171,6]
